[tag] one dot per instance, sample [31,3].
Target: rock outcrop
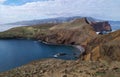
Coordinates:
[101,26]
[103,47]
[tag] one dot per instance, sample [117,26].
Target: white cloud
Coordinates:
[106,9]
[1,1]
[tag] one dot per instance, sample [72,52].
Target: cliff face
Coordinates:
[79,31]
[74,32]
[101,26]
[104,47]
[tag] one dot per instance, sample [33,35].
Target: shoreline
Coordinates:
[79,47]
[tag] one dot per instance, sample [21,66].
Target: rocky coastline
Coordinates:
[100,52]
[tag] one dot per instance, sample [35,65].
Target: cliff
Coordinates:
[103,47]
[101,26]
[75,32]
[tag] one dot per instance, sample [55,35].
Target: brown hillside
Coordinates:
[105,47]
[75,32]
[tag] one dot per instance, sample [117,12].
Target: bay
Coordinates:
[14,53]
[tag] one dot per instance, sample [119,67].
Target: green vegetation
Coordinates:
[27,32]
[100,74]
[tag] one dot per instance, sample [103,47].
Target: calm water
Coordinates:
[115,25]
[15,53]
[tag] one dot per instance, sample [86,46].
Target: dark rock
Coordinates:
[101,26]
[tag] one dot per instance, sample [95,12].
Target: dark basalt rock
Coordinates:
[101,26]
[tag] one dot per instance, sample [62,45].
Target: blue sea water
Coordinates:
[115,25]
[14,53]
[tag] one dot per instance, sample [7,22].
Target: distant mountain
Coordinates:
[51,20]
[42,21]
[115,24]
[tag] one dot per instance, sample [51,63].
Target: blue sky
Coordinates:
[19,2]
[19,10]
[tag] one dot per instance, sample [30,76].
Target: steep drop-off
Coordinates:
[103,47]
[75,32]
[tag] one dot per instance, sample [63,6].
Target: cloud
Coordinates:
[1,1]
[104,9]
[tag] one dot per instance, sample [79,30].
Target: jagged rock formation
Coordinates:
[101,26]
[104,47]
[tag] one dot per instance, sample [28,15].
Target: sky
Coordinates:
[20,10]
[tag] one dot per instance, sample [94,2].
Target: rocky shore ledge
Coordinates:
[101,57]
